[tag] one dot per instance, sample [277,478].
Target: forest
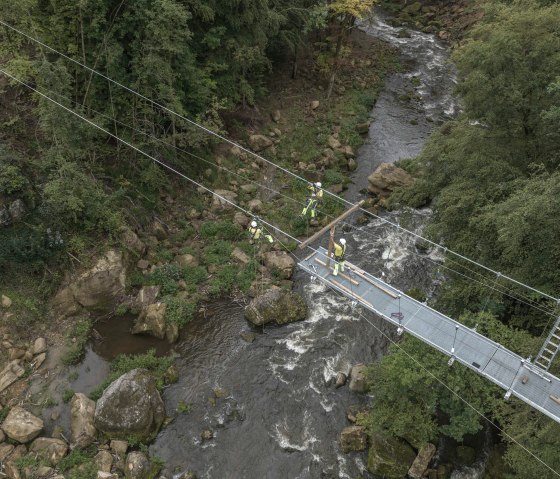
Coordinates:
[491,175]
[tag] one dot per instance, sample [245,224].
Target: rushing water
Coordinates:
[281,417]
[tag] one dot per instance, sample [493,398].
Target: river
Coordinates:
[280,417]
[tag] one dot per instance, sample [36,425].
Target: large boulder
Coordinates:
[259,142]
[95,289]
[49,449]
[219,199]
[386,178]
[139,467]
[11,373]
[98,287]
[280,261]
[353,439]
[151,321]
[22,426]
[358,382]
[420,464]
[130,406]
[390,458]
[146,296]
[278,306]
[82,412]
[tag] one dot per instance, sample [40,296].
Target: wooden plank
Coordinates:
[373,283]
[331,224]
[310,256]
[331,246]
[345,276]
[352,294]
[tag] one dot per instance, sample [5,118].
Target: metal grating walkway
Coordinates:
[531,384]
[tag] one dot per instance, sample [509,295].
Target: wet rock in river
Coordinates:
[353,439]
[357,379]
[390,458]
[276,306]
[420,464]
[139,467]
[151,321]
[386,178]
[131,406]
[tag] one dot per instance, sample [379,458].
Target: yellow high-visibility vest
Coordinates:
[255,232]
[339,250]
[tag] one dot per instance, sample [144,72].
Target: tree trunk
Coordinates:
[345,26]
[295,64]
[335,62]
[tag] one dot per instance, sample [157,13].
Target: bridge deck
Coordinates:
[508,370]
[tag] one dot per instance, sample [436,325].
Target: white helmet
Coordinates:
[342,241]
[253,224]
[318,184]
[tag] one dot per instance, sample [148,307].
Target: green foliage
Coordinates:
[507,66]
[224,281]
[76,340]
[218,252]
[179,311]
[409,396]
[417,294]
[225,230]
[77,457]
[332,177]
[28,461]
[158,366]
[11,179]
[67,395]
[167,277]
[184,407]
[121,310]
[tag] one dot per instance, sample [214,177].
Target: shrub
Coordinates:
[218,252]
[224,281]
[178,311]
[76,340]
[159,367]
[11,180]
[67,395]
[225,230]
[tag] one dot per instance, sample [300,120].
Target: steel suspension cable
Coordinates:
[271,226]
[242,148]
[113,119]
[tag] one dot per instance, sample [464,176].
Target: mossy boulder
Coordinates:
[390,458]
[276,306]
[131,407]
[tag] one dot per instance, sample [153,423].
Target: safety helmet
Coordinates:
[318,184]
[253,224]
[342,241]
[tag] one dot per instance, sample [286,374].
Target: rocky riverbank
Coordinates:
[194,250]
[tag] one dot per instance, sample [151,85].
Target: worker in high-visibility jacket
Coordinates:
[257,233]
[316,189]
[339,252]
[310,207]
